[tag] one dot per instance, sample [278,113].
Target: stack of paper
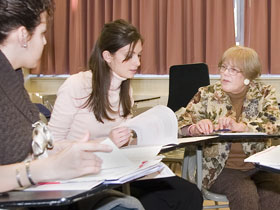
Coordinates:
[268,157]
[119,166]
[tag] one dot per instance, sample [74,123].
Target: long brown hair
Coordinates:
[114,36]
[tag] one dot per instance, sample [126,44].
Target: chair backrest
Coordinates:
[184,81]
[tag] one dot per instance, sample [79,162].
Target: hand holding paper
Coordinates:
[120,135]
[157,126]
[114,159]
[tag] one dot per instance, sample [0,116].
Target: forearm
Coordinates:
[14,175]
[184,131]
[8,179]
[188,130]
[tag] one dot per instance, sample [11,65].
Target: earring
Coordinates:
[246,82]
[24,45]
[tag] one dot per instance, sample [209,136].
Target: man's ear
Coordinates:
[22,36]
[107,56]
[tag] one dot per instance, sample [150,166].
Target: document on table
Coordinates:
[124,162]
[195,139]
[134,162]
[268,157]
[145,169]
[114,159]
[190,139]
[241,134]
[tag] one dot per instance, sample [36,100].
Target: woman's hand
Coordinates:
[59,146]
[202,127]
[231,124]
[62,144]
[120,135]
[78,159]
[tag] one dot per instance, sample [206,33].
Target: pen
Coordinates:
[42,183]
[222,130]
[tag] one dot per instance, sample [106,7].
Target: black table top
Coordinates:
[223,138]
[48,198]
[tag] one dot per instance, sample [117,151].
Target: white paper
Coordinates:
[195,139]
[156,126]
[116,174]
[242,134]
[145,169]
[163,173]
[138,152]
[138,166]
[268,157]
[114,159]
[189,140]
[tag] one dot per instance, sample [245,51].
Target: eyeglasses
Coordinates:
[231,70]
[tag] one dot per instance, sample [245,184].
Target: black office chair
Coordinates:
[184,81]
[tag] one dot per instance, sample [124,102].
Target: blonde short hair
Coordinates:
[245,58]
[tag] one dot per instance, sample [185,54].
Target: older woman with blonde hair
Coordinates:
[240,103]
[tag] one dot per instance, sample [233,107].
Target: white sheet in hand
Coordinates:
[114,159]
[157,126]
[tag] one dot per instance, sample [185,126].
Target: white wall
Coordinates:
[142,86]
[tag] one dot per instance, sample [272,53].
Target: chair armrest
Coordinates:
[199,167]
